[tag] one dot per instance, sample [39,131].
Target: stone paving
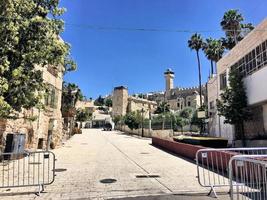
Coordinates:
[88,158]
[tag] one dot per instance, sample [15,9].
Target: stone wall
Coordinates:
[166,134]
[46,120]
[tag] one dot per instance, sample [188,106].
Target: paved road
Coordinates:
[90,161]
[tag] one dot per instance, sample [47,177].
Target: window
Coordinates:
[189,103]
[223,81]
[178,105]
[51,97]
[254,60]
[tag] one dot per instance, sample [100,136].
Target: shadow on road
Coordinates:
[175,197]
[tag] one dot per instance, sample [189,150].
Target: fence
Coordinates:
[247,175]
[27,169]
[213,164]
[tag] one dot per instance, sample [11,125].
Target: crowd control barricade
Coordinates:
[247,175]
[27,169]
[212,165]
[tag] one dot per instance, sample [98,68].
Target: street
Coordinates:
[104,165]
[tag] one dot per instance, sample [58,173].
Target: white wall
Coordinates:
[256,85]
[265,116]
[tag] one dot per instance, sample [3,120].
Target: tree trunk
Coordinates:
[199,77]
[211,67]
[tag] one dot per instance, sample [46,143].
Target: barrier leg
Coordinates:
[40,190]
[212,192]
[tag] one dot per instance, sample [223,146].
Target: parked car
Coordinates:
[107,127]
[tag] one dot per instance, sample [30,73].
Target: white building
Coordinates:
[249,56]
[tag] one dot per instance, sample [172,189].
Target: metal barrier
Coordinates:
[212,165]
[247,175]
[27,169]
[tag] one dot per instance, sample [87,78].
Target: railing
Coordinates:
[27,169]
[213,164]
[247,175]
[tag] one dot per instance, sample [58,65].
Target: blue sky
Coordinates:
[137,59]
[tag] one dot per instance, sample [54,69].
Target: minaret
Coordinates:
[169,76]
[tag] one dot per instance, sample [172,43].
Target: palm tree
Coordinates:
[207,48]
[217,50]
[231,24]
[163,107]
[196,43]
[213,50]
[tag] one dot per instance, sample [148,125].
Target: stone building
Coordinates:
[178,98]
[249,56]
[46,130]
[124,103]
[87,104]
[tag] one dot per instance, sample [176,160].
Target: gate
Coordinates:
[247,175]
[27,169]
[213,164]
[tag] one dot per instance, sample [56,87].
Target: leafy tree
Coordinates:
[100,101]
[196,43]
[180,122]
[108,102]
[207,48]
[184,117]
[163,107]
[83,115]
[233,27]
[116,119]
[213,50]
[133,120]
[233,104]
[104,109]
[29,35]
[71,93]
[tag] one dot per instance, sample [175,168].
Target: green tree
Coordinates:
[196,43]
[83,115]
[100,101]
[163,107]
[133,120]
[108,102]
[233,27]
[233,104]
[184,117]
[213,50]
[207,48]
[116,119]
[71,93]
[29,35]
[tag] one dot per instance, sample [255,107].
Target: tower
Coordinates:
[169,76]
[119,101]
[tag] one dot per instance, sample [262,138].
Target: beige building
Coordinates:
[249,56]
[177,98]
[88,105]
[123,103]
[46,129]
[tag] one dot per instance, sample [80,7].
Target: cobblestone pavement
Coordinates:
[89,160]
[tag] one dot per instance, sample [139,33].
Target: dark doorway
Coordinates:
[40,143]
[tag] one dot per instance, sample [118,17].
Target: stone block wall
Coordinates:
[47,119]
